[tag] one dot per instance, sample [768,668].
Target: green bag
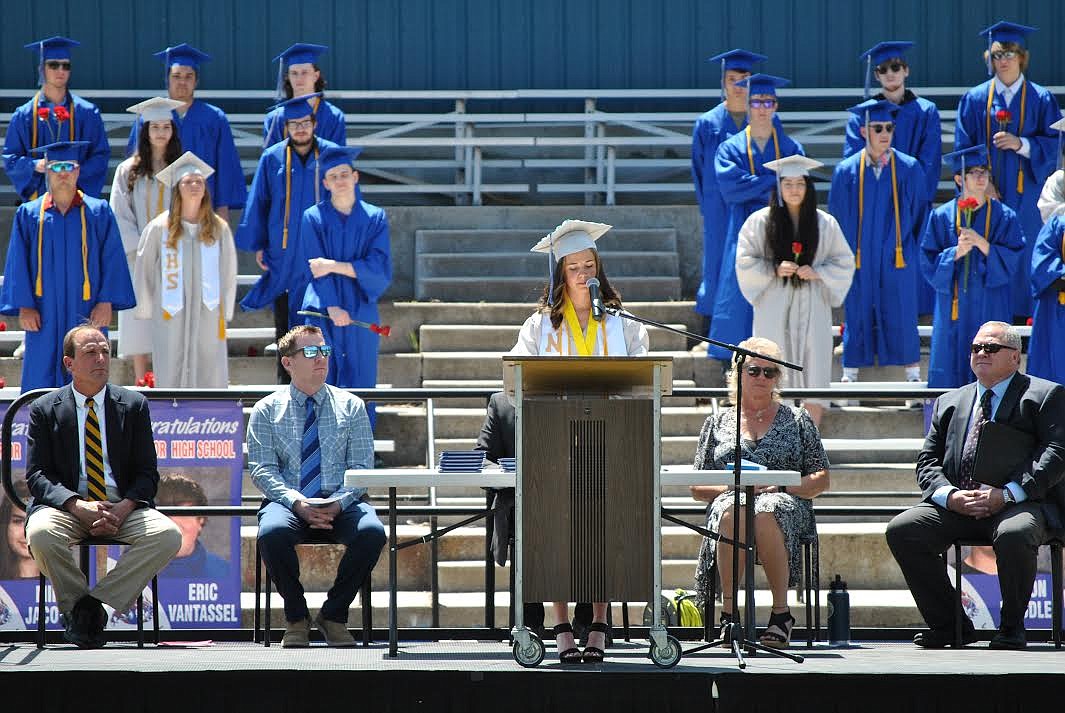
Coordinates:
[681,610]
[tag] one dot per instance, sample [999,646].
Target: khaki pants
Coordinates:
[153,541]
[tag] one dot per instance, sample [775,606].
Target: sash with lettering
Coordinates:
[173,282]
[570,340]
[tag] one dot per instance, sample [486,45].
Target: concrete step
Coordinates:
[517,240]
[528,264]
[529,289]
[449,338]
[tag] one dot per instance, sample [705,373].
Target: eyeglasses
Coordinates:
[880,128]
[1003,54]
[890,67]
[991,348]
[314,350]
[55,64]
[763,103]
[300,125]
[770,372]
[978,172]
[62,166]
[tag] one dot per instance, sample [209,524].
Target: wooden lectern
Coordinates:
[587,500]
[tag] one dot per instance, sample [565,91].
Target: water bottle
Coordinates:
[839,614]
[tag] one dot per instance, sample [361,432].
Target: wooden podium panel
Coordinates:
[588,487]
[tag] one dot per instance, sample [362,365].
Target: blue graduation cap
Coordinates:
[185,55]
[299,53]
[875,110]
[334,156]
[1003,31]
[63,151]
[53,48]
[880,53]
[763,84]
[972,156]
[737,60]
[296,107]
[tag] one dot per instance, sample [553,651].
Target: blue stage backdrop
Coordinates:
[508,44]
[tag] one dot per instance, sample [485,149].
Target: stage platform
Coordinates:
[476,676]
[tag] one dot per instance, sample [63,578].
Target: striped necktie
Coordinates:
[94,455]
[311,461]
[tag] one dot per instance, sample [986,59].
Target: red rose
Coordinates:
[796,248]
[61,113]
[42,113]
[149,379]
[253,351]
[384,331]
[3,326]
[969,203]
[1028,322]
[1003,115]
[3,382]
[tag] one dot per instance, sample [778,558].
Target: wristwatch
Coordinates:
[1007,496]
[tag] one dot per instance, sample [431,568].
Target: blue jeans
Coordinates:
[357,528]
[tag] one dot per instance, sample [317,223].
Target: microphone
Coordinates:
[597,302]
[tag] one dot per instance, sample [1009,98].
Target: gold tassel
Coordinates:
[1020,181]
[954,304]
[900,263]
[86,288]
[221,327]
[858,259]
[166,316]
[1061,297]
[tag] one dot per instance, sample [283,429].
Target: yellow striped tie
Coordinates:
[94,454]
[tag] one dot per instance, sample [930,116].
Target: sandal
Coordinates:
[777,633]
[594,654]
[570,655]
[725,621]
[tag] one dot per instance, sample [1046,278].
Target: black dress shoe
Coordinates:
[90,619]
[1011,639]
[75,632]
[942,638]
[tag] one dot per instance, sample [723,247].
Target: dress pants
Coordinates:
[153,540]
[919,536]
[357,527]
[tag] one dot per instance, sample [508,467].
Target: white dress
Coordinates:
[133,210]
[798,319]
[188,350]
[529,338]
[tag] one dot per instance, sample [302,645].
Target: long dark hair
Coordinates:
[142,160]
[9,561]
[780,232]
[319,85]
[611,297]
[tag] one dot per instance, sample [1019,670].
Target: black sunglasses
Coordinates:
[891,67]
[314,350]
[770,372]
[56,64]
[991,348]
[879,128]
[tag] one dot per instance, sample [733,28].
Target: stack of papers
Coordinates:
[509,465]
[461,461]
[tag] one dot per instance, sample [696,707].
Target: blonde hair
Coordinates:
[764,346]
[1022,53]
[208,220]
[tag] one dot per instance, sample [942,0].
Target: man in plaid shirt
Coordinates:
[301,439]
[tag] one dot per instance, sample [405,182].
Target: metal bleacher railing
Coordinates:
[608,150]
[446,517]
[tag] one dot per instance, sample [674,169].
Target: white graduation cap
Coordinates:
[795,166]
[571,237]
[1059,126]
[155,109]
[187,163]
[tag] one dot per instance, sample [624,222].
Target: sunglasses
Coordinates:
[55,64]
[62,166]
[300,125]
[1003,54]
[891,67]
[991,348]
[880,128]
[314,350]
[763,103]
[770,372]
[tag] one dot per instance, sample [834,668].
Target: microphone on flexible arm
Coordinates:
[597,301]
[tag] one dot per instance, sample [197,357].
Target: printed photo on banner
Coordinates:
[980,594]
[18,570]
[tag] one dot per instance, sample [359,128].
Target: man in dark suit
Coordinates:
[92,472]
[956,505]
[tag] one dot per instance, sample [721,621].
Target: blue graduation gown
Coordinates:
[743,193]
[918,133]
[61,304]
[1046,358]
[1040,111]
[19,163]
[987,296]
[262,226]
[361,239]
[881,306]
[205,132]
[330,125]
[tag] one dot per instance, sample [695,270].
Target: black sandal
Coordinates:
[777,632]
[572,654]
[594,654]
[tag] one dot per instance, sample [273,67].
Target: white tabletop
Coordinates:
[671,475]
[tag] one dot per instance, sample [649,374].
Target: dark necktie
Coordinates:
[968,453]
[311,461]
[94,455]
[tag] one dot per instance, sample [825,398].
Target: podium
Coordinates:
[587,514]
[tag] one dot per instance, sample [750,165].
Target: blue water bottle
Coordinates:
[839,614]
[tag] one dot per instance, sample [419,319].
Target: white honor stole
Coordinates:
[559,342]
[173,277]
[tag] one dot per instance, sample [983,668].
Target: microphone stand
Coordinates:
[733,633]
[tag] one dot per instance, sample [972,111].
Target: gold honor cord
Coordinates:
[86,287]
[1061,293]
[288,190]
[750,151]
[957,229]
[1020,126]
[585,340]
[900,262]
[148,199]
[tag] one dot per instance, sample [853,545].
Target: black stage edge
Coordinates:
[474,677]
